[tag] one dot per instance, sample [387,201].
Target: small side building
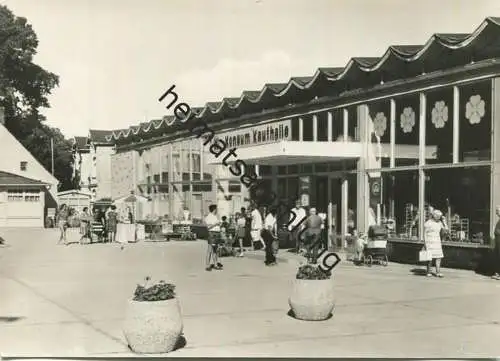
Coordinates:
[75,199]
[28,190]
[22,201]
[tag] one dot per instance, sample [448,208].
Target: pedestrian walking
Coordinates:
[240,229]
[256,230]
[432,239]
[85,220]
[62,221]
[269,234]
[313,229]
[297,218]
[111,223]
[213,226]
[496,249]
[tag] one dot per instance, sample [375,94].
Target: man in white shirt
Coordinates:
[256,227]
[297,224]
[269,235]
[213,226]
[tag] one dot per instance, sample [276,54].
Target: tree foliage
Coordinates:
[24,88]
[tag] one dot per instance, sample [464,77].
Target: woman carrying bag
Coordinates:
[434,229]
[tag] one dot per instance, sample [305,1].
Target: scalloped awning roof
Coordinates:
[398,62]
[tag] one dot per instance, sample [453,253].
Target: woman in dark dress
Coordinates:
[111,224]
[100,218]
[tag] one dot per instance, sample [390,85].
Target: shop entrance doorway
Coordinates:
[328,200]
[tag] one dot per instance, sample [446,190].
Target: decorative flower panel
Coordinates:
[407,120]
[439,114]
[379,124]
[475,109]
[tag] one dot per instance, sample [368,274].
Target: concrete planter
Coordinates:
[312,300]
[153,327]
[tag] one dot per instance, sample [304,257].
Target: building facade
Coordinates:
[380,141]
[27,189]
[75,199]
[92,163]
[173,176]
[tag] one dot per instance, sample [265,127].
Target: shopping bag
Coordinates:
[424,255]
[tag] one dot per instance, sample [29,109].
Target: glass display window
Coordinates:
[378,134]
[322,126]
[307,128]
[463,196]
[439,126]
[337,124]
[475,122]
[398,208]
[407,131]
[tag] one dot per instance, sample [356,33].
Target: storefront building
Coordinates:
[379,141]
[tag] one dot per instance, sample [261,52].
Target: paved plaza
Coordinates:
[70,301]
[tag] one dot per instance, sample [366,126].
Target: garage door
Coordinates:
[23,209]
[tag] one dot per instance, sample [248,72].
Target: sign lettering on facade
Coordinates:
[257,135]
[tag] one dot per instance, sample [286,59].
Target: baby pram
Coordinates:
[97,232]
[375,249]
[226,242]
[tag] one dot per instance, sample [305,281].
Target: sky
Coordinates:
[115,58]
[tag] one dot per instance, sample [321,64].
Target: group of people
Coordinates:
[263,232]
[261,224]
[105,220]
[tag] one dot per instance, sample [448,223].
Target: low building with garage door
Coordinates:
[22,201]
[27,190]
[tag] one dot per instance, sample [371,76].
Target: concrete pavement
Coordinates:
[70,301]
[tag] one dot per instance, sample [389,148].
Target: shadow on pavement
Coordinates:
[419,271]
[8,319]
[291,314]
[181,343]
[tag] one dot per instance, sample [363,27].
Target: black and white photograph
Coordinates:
[249,178]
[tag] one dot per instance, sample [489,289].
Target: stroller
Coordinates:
[375,249]
[97,232]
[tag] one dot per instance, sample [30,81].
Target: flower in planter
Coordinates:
[439,114]
[160,291]
[312,272]
[475,109]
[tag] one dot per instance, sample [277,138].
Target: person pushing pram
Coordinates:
[214,239]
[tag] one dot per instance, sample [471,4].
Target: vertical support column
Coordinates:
[190,201]
[421,173]
[181,197]
[222,176]
[456,123]
[160,169]
[301,129]
[329,125]
[315,127]
[495,152]
[345,120]
[134,170]
[362,177]
[345,209]
[393,134]
[171,178]
[202,157]
[274,180]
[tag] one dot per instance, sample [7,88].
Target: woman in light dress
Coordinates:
[432,240]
